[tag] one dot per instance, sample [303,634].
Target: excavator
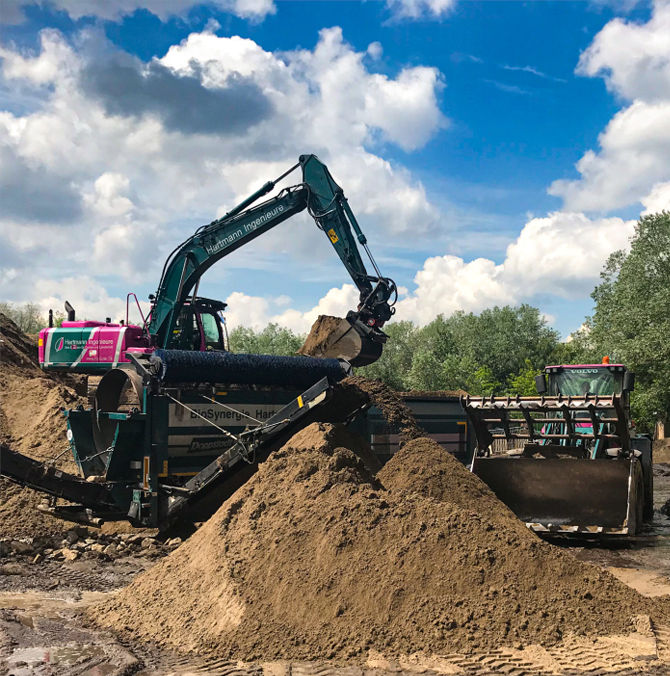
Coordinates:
[178,422]
[180,320]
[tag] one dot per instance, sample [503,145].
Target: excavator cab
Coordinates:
[200,327]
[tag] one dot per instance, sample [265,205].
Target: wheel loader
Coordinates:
[178,422]
[567,461]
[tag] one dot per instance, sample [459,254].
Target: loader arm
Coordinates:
[325,202]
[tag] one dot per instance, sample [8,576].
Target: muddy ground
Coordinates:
[43,629]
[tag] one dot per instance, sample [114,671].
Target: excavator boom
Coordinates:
[358,338]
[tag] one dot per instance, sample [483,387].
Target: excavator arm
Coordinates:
[359,337]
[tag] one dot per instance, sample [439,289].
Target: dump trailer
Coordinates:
[567,461]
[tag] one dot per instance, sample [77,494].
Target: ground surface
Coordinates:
[43,630]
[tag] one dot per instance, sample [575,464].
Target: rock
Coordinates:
[147,543]
[5,549]
[110,550]
[70,554]
[174,542]
[666,508]
[97,547]
[132,539]
[71,537]
[19,547]
[11,569]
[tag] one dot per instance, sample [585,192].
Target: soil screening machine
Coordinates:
[179,422]
[567,461]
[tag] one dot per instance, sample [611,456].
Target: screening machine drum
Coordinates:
[181,366]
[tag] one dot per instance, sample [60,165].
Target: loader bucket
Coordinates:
[566,494]
[351,340]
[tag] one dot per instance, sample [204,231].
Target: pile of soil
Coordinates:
[313,558]
[32,423]
[318,338]
[16,347]
[389,402]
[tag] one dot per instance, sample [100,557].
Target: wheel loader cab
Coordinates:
[587,379]
[200,327]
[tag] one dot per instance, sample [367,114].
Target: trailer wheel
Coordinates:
[636,502]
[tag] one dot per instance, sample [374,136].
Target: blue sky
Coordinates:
[475,150]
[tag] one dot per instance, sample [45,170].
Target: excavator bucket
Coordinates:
[349,339]
[561,464]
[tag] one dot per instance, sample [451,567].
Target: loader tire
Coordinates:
[636,500]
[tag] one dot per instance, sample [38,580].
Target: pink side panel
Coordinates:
[42,343]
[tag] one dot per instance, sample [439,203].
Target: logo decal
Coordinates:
[59,345]
[333,236]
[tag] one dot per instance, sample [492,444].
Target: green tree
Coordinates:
[273,339]
[631,318]
[394,365]
[28,317]
[523,382]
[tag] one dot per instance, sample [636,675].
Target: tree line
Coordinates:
[500,350]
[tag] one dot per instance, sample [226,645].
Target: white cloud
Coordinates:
[561,255]
[633,58]
[419,9]
[257,312]
[657,200]
[116,10]
[634,61]
[127,182]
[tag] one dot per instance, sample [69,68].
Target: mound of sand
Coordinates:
[32,423]
[314,559]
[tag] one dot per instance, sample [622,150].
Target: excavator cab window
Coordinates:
[211,328]
[186,334]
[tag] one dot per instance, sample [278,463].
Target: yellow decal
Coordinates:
[300,402]
[145,473]
[40,342]
[333,237]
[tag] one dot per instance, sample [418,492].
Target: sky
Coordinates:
[493,152]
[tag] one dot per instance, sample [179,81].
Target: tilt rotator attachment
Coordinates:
[563,464]
[180,449]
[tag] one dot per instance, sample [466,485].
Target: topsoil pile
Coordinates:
[31,422]
[315,558]
[318,338]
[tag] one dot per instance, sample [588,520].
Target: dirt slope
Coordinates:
[31,422]
[314,559]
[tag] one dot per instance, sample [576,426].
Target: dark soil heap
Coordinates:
[393,408]
[313,559]
[31,422]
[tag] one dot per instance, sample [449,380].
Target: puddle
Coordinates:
[25,661]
